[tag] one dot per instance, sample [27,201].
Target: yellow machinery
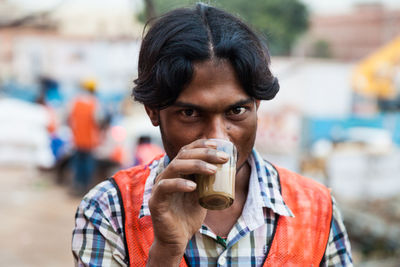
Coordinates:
[377,75]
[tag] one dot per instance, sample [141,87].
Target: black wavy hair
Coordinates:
[182,37]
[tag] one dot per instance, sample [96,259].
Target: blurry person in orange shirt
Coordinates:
[85,127]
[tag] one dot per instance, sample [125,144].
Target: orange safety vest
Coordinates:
[83,123]
[298,241]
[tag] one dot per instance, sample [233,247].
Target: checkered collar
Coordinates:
[268,191]
[269,186]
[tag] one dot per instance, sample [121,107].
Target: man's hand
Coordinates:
[174,206]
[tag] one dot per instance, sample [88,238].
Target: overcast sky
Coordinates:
[319,6]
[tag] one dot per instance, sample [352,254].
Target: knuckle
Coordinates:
[211,152]
[151,202]
[182,149]
[184,153]
[172,166]
[161,183]
[181,183]
[199,164]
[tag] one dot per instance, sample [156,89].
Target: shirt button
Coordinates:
[222,260]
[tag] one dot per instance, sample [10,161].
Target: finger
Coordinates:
[166,187]
[206,154]
[200,143]
[179,167]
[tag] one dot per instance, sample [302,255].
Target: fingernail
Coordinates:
[222,155]
[210,143]
[191,184]
[211,167]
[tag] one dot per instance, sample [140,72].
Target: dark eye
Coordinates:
[237,111]
[189,112]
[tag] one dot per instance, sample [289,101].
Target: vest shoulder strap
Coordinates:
[138,232]
[301,240]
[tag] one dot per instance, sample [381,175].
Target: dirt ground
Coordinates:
[37,219]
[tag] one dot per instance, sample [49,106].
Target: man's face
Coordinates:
[213,105]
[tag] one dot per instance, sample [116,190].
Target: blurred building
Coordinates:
[69,41]
[88,18]
[104,19]
[351,36]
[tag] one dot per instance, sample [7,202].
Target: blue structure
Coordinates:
[336,129]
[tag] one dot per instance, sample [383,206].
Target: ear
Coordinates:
[154,115]
[257,103]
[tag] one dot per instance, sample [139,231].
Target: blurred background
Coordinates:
[336,118]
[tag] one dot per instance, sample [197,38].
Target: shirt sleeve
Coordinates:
[338,250]
[98,237]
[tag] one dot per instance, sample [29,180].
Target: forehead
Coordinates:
[214,83]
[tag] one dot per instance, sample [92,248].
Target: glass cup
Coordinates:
[217,191]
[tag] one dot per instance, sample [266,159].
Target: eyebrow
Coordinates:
[242,102]
[181,104]
[200,108]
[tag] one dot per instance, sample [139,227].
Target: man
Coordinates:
[202,74]
[84,124]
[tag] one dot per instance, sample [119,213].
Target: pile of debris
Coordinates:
[374,228]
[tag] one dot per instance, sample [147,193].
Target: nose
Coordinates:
[217,128]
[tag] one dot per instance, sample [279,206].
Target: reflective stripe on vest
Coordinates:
[298,241]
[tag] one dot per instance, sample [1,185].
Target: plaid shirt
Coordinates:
[98,237]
